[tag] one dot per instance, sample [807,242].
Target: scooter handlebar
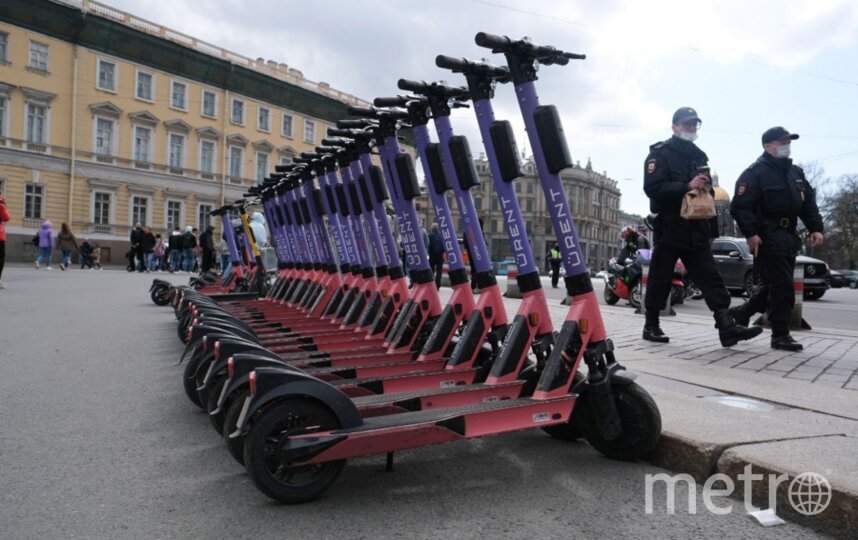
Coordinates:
[335,142]
[542,53]
[468,67]
[393,101]
[358,123]
[364,112]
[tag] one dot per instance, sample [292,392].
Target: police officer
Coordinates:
[673,168]
[554,259]
[770,197]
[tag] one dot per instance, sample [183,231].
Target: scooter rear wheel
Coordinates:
[280,481]
[160,296]
[636,294]
[640,419]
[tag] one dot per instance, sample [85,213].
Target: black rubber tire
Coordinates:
[160,295]
[232,410]
[216,387]
[264,434]
[569,431]
[677,295]
[813,294]
[640,419]
[189,382]
[610,297]
[749,285]
[635,294]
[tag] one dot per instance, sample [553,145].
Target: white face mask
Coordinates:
[687,136]
[783,151]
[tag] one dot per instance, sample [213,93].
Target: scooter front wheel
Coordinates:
[639,417]
[160,295]
[636,295]
[282,481]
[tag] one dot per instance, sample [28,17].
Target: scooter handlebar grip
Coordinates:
[392,101]
[352,123]
[459,65]
[335,142]
[492,41]
[412,86]
[310,155]
[365,112]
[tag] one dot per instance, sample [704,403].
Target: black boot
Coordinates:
[786,343]
[741,314]
[732,333]
[652,331]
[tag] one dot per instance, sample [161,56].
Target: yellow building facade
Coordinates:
[107,120]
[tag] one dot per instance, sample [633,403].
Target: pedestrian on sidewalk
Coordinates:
[45,243]
[96,255]
[771,195]
[85,254]
[174,245]
[66,243]
[158,253]
[436,254]
[554,258]
[147,245]
[188,243]
[136,254]
[208,249]
[4,217]
[673,168]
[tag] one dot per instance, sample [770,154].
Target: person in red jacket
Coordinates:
[4,217]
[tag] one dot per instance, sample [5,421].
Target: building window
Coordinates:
[33,201]
[106,75]
[36,123]
[38,56]
[145,86]
[207,156]
[478,202]
[103,136]
[285,160]
[530,187]
[261,167]
[236,155]
[176,151]
[3,103]
[173,214]
[286,129]
[140,210]
[101,208]
[209,104]
[309,131]
[264,121]
[204,218]
[528,205]
[237,116]
[4,42]
[178,95]
[142,144]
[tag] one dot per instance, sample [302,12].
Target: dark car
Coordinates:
[736,265]
[844,278]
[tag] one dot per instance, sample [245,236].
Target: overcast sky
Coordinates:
[744,65]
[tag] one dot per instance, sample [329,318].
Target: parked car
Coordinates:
[736,264]
[844,278]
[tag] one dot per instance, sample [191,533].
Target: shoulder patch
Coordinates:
[741,189]
[650,166]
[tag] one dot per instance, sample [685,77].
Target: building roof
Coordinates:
[721,194]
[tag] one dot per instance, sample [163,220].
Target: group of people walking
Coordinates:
[66,243]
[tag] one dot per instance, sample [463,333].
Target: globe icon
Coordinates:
[809,493]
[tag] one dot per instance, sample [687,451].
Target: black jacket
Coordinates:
[770,196]
[147,243]
[668,169]
[136,237]
[207,240]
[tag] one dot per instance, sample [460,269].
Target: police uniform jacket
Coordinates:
[668,169]
[770,196]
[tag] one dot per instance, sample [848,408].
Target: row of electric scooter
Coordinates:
[340,358]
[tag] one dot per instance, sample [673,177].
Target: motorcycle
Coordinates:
[624,280]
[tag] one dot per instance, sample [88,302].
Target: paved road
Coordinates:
[100,442]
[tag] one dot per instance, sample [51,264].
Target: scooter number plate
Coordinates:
[541,417]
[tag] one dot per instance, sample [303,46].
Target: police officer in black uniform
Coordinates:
[770,197]
[673,168]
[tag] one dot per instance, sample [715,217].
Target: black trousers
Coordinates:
[776,297]
[208,260]
[2,257]
[437,266]
[555,272]
[701,268]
